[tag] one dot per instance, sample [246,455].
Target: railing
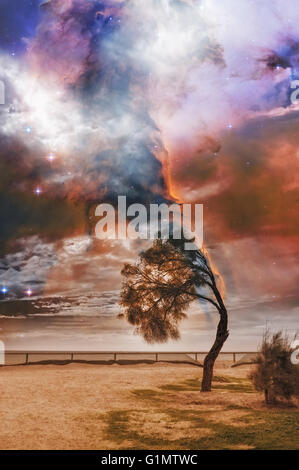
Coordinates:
[123,357]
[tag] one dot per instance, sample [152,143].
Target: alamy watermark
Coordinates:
[294,98]
[2,92]
[140,222]
[295,353]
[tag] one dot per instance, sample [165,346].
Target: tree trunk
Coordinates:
[221,337]
[269,397]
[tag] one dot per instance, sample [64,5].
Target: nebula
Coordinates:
[182,101]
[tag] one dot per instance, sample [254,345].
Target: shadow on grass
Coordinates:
[222,383]
[258,430]
[246,428]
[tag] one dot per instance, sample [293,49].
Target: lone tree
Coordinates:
[275,374]
[159,288]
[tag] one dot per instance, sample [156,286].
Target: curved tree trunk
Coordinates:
[221,337]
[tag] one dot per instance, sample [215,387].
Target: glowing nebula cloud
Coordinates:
[178,100]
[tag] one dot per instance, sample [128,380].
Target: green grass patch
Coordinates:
[236,407]
[120,428]
[117,425]
[222,383]
[221,379]
[259,430]
[238,387]
[147,394]
[189,385]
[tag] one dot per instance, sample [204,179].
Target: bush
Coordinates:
[275,374]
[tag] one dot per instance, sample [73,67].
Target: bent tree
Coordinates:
[158,289]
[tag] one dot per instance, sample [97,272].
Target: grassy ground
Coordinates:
[230,427]
[138,407]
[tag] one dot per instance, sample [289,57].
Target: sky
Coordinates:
[184,101]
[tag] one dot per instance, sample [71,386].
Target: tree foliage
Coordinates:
[158,290]
[274,373]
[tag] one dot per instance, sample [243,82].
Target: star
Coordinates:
[38,191]
[51,157]
[4,290]
[28,129]
[28,292]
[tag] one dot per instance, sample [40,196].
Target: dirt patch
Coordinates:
[158,425]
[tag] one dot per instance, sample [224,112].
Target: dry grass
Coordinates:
[142,406]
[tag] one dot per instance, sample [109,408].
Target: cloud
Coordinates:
[27,267]
[184,100]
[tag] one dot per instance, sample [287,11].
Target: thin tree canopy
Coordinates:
[159,288]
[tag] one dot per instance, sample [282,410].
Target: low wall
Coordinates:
[121,357]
